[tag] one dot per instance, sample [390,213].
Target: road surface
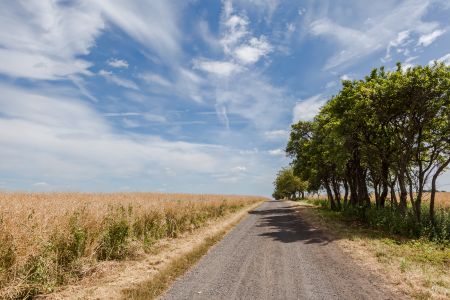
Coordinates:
[273,254]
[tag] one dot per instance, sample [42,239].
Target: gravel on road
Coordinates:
[274,254]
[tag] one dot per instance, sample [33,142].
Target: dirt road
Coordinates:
[273,254]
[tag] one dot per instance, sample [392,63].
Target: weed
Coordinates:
[114,241]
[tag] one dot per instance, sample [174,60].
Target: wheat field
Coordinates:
[50,239]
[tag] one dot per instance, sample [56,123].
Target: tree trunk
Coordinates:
[345,193]
[403,191]
[377,194]
[330,195]
[363,193]
[384,182]
[411,198]
[393,192]
[433,190]
[337,193]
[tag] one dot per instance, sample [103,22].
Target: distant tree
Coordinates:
[287,185]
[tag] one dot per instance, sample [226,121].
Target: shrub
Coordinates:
[113,243]
[390,219]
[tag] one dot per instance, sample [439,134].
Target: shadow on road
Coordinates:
[286,226]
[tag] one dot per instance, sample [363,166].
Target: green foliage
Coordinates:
[113,244]
[69,247]
[387,134]
[393,221]
[287,185]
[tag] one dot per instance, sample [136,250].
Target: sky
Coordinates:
[185,96]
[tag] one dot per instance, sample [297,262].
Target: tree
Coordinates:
[287,185]
[389,129]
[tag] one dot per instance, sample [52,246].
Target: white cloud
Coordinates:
[237,40]
[239,169]
[144,115]
[383,30]
[445,59]
[346,77]
[152,23]
[400,40]
[277,152]
[117,63]
[237,88]
[406,66]
[253,97]
[37,66]
[220,68]
[307,109]
[427,39]
[42,39]
[253,51]
[45,38]
[264,8]
[154,79]
[51,135]
[276,134]
[117,80]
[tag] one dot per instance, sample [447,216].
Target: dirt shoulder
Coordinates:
[414,268]
[110,278]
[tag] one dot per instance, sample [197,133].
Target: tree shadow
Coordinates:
[285,225]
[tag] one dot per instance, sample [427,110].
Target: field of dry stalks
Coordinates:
[442,199]
[52,239]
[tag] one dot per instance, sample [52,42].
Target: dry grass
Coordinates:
[442,198]
[51,239]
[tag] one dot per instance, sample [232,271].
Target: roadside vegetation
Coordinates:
[377,149]
[48,240]
[416,267]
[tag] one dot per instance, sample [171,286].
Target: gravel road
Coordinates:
[274,254]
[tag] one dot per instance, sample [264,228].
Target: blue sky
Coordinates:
[186,96]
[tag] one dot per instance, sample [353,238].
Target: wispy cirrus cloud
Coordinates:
[126,83]
[35,122]
[117,63]
[307,109]
[220,68]
[381,31]
[427,39]
[277,134]
[64,31]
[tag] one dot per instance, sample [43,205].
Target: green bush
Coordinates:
[69,248]
[390,219]
[113,243]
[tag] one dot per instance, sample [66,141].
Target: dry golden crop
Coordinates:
[50,239]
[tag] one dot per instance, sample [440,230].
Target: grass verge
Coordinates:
[418,268]
[161,282]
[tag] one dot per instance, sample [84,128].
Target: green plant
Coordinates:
[113,243]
